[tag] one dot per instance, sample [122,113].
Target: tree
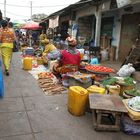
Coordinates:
[38,17]
[0,15]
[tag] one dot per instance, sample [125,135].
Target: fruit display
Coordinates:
[45,75]
[99,69]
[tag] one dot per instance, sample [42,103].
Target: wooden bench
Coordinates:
[106,106]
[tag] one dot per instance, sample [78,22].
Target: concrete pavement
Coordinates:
[27,114]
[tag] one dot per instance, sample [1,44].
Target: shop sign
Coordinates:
[121,3]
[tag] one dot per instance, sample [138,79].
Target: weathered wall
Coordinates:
[87,11]
[85,27]
[129,33]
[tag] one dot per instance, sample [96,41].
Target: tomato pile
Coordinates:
[96,68]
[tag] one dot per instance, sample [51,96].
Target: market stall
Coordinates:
[92,89]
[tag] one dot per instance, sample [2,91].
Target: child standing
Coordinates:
[93,59]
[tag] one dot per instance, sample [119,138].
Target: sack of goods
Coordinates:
[126,70]
[129,126]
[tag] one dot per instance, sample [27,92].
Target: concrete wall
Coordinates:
[117,24]
[87,11]
[85,27]
[92,10]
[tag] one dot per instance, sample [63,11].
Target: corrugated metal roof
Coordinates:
[80,3]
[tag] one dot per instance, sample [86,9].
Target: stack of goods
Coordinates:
[49,84]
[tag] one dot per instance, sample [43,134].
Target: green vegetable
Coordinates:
[129,81]
[133,92]
[109,81]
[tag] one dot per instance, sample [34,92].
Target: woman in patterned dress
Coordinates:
[6,39]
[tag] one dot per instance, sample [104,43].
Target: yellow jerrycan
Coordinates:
[95,90]
[27,63]
[77,100]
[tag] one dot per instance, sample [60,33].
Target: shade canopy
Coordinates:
[31,26]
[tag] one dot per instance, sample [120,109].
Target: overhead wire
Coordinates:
[13,5]
[25,6]
[15,14]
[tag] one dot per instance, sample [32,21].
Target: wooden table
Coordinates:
[109,106]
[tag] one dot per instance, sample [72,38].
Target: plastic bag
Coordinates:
[126,70]
[129,126]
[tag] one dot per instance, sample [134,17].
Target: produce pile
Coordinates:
[100,69]
[49,83]
[133,92]
[126,81]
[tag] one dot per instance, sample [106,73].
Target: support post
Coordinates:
[4,8]
[98,28]
[31,8]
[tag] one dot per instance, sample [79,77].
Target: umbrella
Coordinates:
[31,26]
[18,23]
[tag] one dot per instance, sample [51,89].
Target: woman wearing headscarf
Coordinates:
[6,38]
[70,58]
[49,47]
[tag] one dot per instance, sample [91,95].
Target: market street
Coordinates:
[26,113]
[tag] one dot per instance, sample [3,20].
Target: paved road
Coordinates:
[27,114]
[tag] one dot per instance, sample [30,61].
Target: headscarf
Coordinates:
[45,41]
[72,41]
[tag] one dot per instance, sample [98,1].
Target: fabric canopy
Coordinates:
[31,26]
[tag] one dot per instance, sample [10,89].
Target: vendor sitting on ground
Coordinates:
[41,38]
[49,47]
[69,59]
